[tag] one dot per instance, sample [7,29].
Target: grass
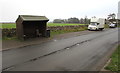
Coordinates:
[106,26]
[62,24]
[114,65]
[10,38]
[53,33]
[118,25]
[13,25]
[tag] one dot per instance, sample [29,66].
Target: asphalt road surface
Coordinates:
[81,53]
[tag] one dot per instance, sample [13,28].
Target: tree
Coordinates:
[65,21]
[111,16]
[81,21]
[85,20]
[58,21]
[73,20]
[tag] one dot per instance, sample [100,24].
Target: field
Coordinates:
[62,24]
[13,25]
[8,25]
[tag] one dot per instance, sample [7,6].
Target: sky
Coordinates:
[56,9]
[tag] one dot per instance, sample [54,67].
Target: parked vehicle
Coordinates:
[96,24]
[112,25]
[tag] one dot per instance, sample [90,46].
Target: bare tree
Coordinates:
[111,16]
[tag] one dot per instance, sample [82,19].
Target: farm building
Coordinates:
[28,26]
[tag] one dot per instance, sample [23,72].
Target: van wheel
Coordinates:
[96,29]
[89,29]
[101,29]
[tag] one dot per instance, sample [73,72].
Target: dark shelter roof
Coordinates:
[33,18]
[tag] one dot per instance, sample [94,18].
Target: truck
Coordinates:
[96,24]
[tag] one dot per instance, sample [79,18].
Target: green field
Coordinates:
[8,25]
[13,25]
[62,24]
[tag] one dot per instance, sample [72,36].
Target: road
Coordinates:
[80,53]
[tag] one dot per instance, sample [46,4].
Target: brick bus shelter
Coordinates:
[29,26]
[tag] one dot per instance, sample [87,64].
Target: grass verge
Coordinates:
[53,33]
[106,26]
[114,65]
[9,38]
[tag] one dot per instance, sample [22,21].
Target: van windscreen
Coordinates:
[93,24]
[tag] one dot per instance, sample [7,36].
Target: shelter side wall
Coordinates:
[19,28]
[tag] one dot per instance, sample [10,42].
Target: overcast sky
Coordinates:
[55,9]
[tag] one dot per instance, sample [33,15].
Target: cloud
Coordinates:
[56,8]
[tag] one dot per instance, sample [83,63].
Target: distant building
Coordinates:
[118,15]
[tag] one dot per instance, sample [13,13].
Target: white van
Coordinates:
[113,25]
[96,24]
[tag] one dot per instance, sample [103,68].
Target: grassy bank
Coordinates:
[106,26]
[114,65]
[53,33]
[9,38]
